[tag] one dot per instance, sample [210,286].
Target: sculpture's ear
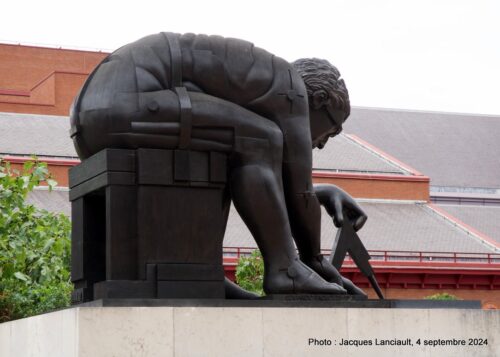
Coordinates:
[320,98]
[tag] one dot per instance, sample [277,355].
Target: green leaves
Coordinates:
[442,296]
[34,247]
[22,276]
[250,272]
[52,184]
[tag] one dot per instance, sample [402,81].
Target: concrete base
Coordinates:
[290,301]
[252,331]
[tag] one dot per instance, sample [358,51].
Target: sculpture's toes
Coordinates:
[300,279]
[351,288]
[328,272]
[325,269]
[234,291]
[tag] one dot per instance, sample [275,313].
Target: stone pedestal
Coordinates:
[251,331]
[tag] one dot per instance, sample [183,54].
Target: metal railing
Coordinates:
[380,256]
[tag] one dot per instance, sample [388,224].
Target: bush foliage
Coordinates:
[250,272]
[34,247]
[442,296]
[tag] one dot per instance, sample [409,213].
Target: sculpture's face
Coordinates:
[326,123]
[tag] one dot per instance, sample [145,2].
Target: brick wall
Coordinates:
[394,187]
[42,80]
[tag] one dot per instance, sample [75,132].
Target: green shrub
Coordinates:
[442,296]
[34,247]
[250,272]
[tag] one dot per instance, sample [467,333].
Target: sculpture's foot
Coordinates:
[328,272]
[299,279]
[325,269]
[351,288]
[234,291]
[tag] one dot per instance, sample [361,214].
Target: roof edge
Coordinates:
[482,237]
[422,111]
[33,114]
[365,176]
[385,156]
[49,160]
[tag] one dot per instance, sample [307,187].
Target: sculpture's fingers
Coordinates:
[354,206]
[338,215]
[356,214]
[360,222]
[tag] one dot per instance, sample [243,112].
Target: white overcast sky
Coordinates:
[437,55]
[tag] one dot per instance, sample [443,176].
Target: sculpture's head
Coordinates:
[329,104]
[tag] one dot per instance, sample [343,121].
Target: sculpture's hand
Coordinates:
[337,202]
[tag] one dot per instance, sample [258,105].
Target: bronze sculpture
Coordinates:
[211,94]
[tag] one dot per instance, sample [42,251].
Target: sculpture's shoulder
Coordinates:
[230,68]
[238,56]
[140,48]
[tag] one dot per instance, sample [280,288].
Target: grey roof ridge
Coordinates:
[466,191]
[380,155]
[30,115]
[38,157]
[422,111]
[368,172]
[480,237]
[46,188]
[390,201]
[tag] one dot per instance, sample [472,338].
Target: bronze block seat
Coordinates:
[130,234]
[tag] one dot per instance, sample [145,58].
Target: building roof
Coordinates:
[29,134]
[486,219]
[391,226]
[46,135]
[343,154]
[56,201]
[454,150]
[415,227]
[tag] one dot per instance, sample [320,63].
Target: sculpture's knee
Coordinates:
[276,145]
[266,143]
[275,138]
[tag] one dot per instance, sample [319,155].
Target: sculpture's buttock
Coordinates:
[131,100]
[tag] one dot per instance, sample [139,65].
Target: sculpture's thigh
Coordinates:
[153,120]
[245,132]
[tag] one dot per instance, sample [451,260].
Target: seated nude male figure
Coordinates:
[210,93]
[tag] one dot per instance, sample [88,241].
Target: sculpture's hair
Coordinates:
[320,74]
